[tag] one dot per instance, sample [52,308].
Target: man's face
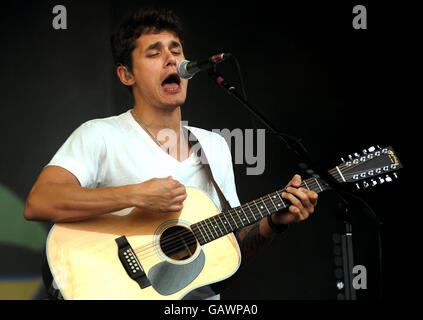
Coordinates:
[154,67]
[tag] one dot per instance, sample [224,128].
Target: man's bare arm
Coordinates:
[57,196]
[252,239]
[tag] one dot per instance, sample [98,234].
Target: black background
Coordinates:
[305,68]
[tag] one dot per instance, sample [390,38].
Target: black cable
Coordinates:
[244,92]
[293,141]
[241,79]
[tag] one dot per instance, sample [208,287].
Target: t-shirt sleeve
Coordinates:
[228,186]
[82,154]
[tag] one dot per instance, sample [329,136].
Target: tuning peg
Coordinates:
[371,149]
[357,186]
[357,155]
[342,159]
[365,184]
[395,175]
[388,178]
[350,157]
[373,182]
[381,180]
[364,151]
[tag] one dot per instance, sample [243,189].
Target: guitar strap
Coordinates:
[220,286]
[203,158]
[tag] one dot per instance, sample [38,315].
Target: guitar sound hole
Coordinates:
[178,243]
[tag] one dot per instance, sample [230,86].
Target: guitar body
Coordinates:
[83,256]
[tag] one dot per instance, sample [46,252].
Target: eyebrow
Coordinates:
[158,44]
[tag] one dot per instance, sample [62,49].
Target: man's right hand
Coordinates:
[57,196]
[159,195]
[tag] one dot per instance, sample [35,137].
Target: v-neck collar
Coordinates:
[154,145]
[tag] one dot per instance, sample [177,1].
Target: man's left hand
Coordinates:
[302,202]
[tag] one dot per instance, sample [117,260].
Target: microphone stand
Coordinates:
[294,144]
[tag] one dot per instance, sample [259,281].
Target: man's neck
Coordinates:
[157,119]
[165,125]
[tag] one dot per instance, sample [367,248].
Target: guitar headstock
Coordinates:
[370,167]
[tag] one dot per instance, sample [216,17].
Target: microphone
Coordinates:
[187,69]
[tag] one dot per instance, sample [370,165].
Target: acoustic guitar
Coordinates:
[133,255]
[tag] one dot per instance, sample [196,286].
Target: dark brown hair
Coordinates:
[148,19]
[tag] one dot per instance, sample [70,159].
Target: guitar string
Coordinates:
[175,247]
[216,225]
[334,172]
[352,174]
[253,203]
[172,247]
[351,162]
[224,214]
[211,235]
[193,240]
[254,215]
[348,175]
[351,165]
[212,226]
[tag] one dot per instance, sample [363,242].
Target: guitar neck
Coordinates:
[226,222]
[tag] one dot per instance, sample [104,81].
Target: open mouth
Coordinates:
[172,79]
[172,83]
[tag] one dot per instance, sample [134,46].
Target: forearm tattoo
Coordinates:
[251,241]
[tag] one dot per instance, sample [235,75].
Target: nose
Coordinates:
[170,59]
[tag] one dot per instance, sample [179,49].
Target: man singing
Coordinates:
[126,161]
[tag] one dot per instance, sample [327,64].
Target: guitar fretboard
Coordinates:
[226,222]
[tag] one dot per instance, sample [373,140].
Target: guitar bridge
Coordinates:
[131,263]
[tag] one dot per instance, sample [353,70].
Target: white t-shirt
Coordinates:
[117,151]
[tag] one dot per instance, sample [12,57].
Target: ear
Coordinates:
[125,76]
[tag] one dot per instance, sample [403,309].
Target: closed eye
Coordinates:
[155,48]
[176,53]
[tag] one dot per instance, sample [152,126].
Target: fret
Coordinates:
[264,202]
[280,198]
[246,214]
[317,181]
[212,227]
[232,216]
[267,209]
[279,202]
[320,186]
[257,209]
[196,227]
[219,225]
[205,231]
[305,182]
[207,225]
[238,212]
[317,188]
[270,197]
[224,223]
